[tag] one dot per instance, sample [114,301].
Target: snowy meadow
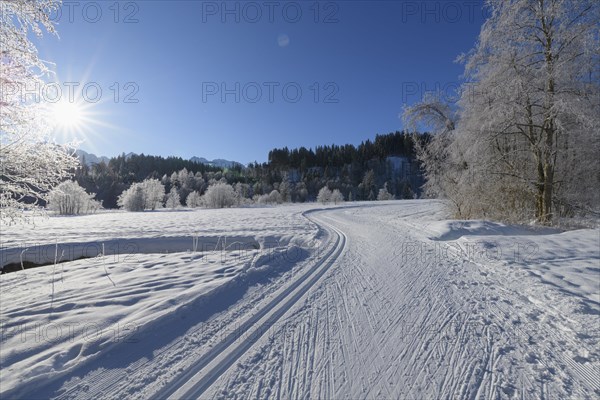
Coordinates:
[456,256]
[146,317]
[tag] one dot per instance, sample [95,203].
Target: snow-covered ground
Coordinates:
[370,300]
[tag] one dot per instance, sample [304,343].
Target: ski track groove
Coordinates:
[367,323]
[586,378]
[199,380]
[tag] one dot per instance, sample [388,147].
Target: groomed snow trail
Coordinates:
[384,307]
[179,354]
[197,379]
[387,321]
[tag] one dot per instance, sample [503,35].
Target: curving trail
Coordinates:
[382,311]
[197,379]
[396,317]
[180,355]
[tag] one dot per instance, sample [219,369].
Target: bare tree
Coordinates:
[193,200]
[384,194]
[31,162]
[324,195]
[337,196]
[154,193]
[173,199]
[69,198]
[525,136]
[220,195]
[146,195]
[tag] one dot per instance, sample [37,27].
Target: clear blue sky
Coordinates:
[365,59]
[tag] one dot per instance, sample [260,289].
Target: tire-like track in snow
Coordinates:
[193,382]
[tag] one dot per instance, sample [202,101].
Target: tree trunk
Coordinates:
[549,129]
[548,191]
[540,195]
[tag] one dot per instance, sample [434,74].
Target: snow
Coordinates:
[362,300]
[449,230]
[570,260]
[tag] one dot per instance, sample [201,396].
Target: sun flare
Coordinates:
[74,119]
[68,114]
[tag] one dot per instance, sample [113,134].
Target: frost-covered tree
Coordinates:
[285,189]
[527,134]
[141,196]
[243,190]
[272,198]
[154,193]
[440,117]
[194,200]
[173,200]
[384,194]
[31,162]
[174,178]
[165,179]
[337,196]
[132,199]
[432,111]
[69,198]
[532,109]
[220,195]
[275,197]
[261,198]
[182,176]
[324,195]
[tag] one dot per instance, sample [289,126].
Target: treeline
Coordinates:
[392,144]
[358,172]
[109,180]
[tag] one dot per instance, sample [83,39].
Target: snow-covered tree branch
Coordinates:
[32,163]
[526,137]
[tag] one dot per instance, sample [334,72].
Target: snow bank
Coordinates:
[568,261]
[455,229]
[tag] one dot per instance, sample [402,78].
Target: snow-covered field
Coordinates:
[364,300]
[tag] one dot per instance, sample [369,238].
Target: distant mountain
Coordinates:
[89,158]
[219,162]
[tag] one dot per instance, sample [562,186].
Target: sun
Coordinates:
[72,117]
[68,115]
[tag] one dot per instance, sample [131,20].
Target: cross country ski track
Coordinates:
[380,310]
[206,348]
[194,381]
